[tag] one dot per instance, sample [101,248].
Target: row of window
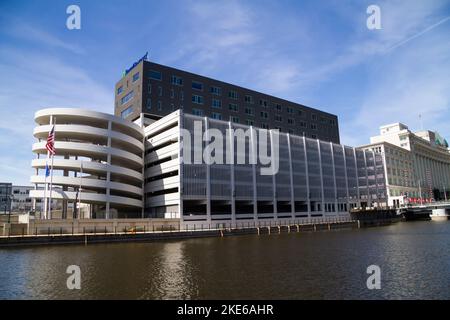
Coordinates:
[232,94]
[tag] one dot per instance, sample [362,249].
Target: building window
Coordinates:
[233,107]
[159,105]
[264,126]
[175,80]
[313,126]
[125,113]
[216,103]
[264,115]
[233,94]
[197,99]
[149,104]
[136,76]
[160,91]
[234,119]
[249,111]
[300,113]
[216,91]
[278,107]
[248,99]
[128,97]
[313,116]
[155,75]
[217,116]
[303,124]
[263,103]
[290,121]
[314,136]
[249,122]
[197,112]
[278,118]
[120,90]
[172,93]
[197,85]
[149,88]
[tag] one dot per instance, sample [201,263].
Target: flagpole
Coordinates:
[45,181]
[79,189]
[51,174]
[45,188]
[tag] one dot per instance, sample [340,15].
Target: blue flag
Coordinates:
[47,170]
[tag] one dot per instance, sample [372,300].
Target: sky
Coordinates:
[317,53]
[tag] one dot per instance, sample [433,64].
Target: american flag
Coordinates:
[50,146]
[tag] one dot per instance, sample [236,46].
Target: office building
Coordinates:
[417,164]
[157,90]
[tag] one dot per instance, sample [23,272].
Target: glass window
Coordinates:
[234,119]
[233,94]
[233,107]
[249,111]
[216,90]
[313,126]
[263,103]
[136,76]
[175,80]
[217,116]
[278,107]
[197,99]
[197,85]
[149,104]
[216,103]
[197,112]
[128,97]
[156,75]
[290,110]
[160,91]
[278,118]
[125,113]
[120,90]
[159,105]
[249,122]
[248,99]
[264,115]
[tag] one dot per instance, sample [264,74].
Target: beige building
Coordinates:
[417,165]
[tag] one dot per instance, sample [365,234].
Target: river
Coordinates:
[414,260]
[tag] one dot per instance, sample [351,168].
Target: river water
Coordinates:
[414,259]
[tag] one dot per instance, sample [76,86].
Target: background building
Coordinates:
[5,197]
[417,164]
[158,90]
[21,201]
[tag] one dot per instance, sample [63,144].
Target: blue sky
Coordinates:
[318,53]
